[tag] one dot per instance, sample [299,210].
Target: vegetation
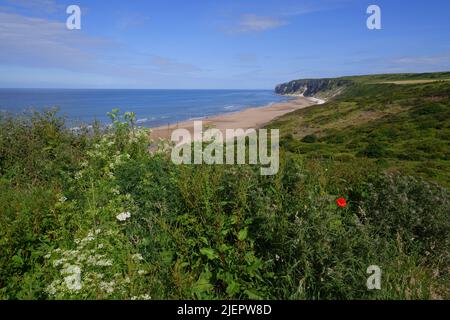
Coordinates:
[93,215]
[402,127]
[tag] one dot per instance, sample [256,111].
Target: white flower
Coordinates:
[142,297]
[137,257]
[73,282]
[103,263]
[141,272]
[108,287]
[58,262]
[71,269]
[73,278]
[62,199]
[51,289]
[100,246]
[123,216]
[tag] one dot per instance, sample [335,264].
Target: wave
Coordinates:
[143,120]
[197,118]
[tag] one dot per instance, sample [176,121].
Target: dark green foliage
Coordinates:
[311,138]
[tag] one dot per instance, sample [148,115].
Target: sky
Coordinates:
[215,44]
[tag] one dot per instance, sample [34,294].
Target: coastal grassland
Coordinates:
[93,215]
[404,128]
[400,78]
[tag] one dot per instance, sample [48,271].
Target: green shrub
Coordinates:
[311,138]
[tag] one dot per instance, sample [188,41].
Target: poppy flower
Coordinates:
[341,202]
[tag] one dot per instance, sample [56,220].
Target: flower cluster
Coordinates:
[88,269]
[123,216]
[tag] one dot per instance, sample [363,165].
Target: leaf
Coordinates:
[252,295]
[232,288]
[203,284]
[210,253]
[243,234]
[17,261]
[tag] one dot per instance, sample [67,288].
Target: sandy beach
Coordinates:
[250,118]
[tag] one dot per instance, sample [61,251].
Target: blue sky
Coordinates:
[205,44]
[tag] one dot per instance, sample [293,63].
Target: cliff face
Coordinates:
[312,87]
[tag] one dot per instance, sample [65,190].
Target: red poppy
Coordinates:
[341,202]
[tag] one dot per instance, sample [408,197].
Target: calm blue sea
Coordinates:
[152,107]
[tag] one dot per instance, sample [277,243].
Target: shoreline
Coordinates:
[255,117]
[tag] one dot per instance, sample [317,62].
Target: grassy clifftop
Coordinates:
[331,87]
[402,126]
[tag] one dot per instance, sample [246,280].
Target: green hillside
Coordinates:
[399,127]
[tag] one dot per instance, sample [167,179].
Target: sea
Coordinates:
[152,107]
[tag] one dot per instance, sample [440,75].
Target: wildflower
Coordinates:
[51,289]
[108,287]
[62,199]
[341,202]
[142,297]
[73,282]
[58,262]
[137,257]
[123,216]
[103,263]
[141,272]
[73,278]
[71,269]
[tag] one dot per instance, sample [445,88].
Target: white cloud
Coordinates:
[255,23]
[27,41]
[46,6]
[423,60]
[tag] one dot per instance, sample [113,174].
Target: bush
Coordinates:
[374,150]
[409,208]
[311,138]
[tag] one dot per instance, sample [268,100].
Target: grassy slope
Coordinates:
[404,127]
